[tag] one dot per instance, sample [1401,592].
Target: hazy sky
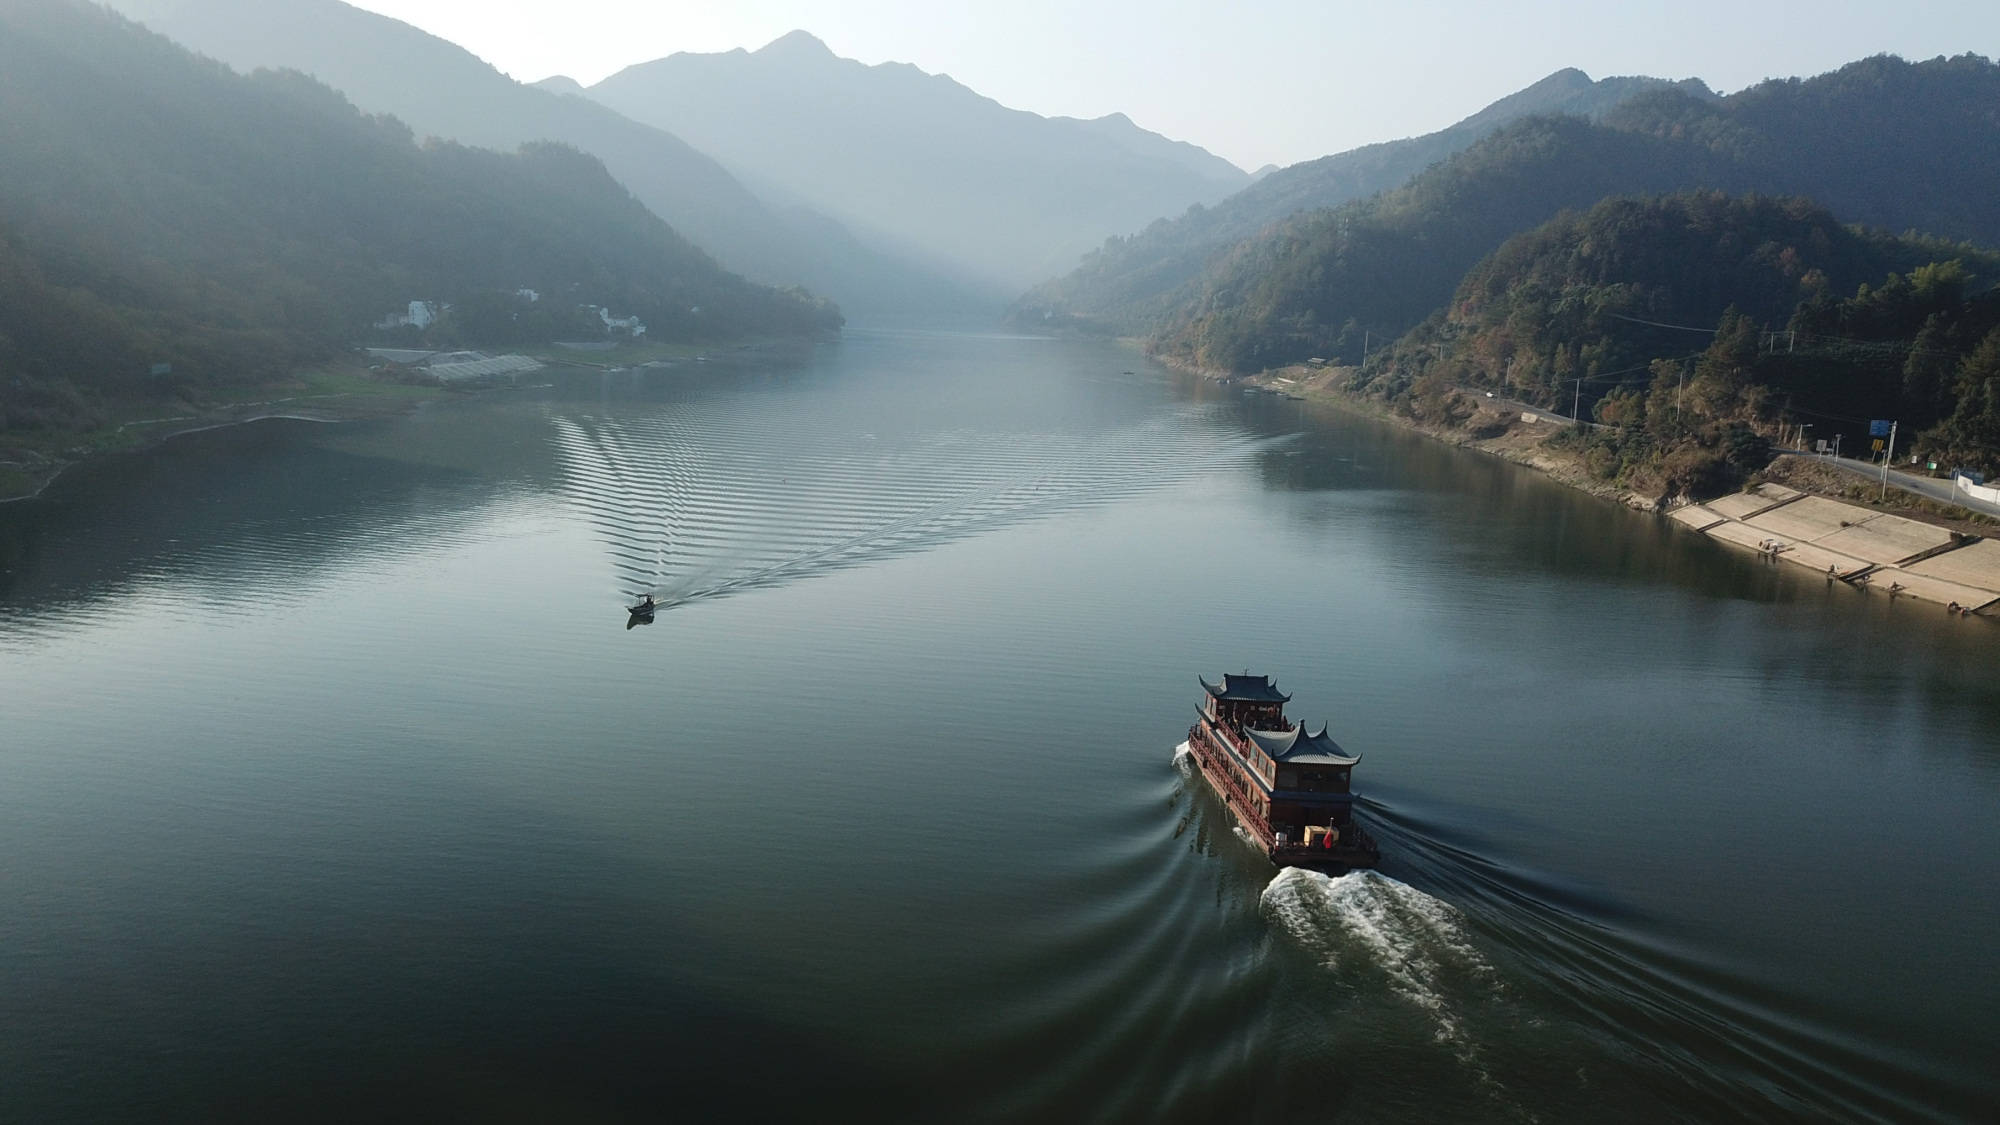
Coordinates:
[1255,81]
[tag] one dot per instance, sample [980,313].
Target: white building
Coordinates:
[629,324]
[422,314]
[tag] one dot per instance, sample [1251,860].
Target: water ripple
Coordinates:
[706,503]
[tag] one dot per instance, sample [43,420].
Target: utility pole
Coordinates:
[1891,452]
[1576,403]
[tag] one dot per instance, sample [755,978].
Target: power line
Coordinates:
[1880,345]
[1663,324]
[1828,417]
[1646,366]
[1877,345]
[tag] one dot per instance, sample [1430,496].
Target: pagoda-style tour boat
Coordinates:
[1289,787]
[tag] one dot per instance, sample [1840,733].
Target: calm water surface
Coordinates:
[333,785]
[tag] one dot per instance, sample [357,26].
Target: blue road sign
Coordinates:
[1878,428]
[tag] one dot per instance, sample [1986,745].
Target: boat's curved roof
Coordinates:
[1299,746]
[1246,689]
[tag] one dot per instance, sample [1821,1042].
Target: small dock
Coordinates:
[1855,545]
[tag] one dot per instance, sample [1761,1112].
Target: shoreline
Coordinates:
[1831,524]
[357,394]
[1520,443]
[44,473]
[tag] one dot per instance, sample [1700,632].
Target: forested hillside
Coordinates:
[1701,327]
[1131,280]
[166,224]
[1884,142]
[1323,282]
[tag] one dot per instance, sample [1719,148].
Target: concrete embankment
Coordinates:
[1865,548]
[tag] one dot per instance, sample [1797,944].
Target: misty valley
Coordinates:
[680,592]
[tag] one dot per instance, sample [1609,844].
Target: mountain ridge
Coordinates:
[1122,281]
[919,158]
[1881,141]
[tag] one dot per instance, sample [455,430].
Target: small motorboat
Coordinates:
[641,614]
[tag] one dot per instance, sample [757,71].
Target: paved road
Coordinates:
[1927,487]
[1543,412]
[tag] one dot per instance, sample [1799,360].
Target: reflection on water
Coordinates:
[329,788]
[223,509]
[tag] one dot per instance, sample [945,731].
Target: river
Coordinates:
[333,784]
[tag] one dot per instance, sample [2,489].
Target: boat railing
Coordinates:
[1236,741]
[1222,777]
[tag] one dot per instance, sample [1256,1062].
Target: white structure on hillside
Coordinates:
[422,314]
[629,324]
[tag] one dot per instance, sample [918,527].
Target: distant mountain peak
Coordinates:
[1567,91]
[561,84]
[1001,196]
[799,44]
